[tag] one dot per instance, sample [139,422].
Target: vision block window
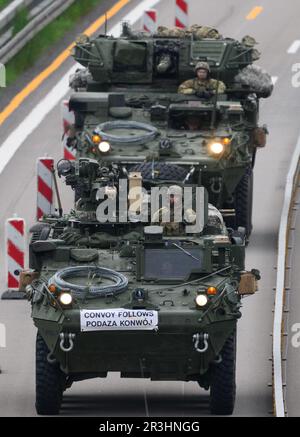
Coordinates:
[172,264]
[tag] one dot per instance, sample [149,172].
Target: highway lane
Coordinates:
[275,28]
[292,304]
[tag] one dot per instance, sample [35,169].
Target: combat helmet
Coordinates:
[202,65]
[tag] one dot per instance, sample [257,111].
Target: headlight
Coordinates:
[216,148]
[65,299]
[104,147]
[201,300]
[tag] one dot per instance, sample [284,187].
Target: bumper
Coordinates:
[168,354]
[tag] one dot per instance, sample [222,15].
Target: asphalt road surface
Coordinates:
[276,28]
[292,304]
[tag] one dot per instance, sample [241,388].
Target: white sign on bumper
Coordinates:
[118,319]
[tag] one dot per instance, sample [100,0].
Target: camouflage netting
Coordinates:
[79,79]
[198,32]
[250,42]
[257,79]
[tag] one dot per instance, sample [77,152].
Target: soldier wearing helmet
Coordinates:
[202,86]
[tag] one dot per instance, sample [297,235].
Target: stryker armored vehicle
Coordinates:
[135,290]
[127,95]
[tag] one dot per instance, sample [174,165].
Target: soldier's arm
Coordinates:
[187,87]
[221,87]
[214,86]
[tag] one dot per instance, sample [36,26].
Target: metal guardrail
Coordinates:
[281,287]
[39,14]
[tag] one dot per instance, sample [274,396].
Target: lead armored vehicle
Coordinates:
[127,96]
[122,284]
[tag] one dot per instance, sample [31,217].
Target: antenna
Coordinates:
[105,23]
[214,113]
[60,209]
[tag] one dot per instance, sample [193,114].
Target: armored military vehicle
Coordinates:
[127,96]
[135,290]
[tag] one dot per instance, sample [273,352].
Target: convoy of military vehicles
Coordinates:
[145,275]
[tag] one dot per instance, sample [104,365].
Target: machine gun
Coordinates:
[166,56]
[86,176]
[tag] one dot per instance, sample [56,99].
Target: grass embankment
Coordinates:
[47,38]
[4,3]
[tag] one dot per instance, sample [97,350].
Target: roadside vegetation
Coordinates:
[21,19]
[46,38]
[4,3]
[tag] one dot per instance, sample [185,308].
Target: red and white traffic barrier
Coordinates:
[15,250]
[150,21]
[182,14]
[45,187]
[68,119]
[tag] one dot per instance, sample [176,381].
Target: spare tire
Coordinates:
[162,171]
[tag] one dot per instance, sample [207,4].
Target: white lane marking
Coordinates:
[33,120]
[274,79]
[294,47]
[2,335]
[38,114]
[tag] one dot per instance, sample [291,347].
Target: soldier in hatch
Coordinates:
[202,86]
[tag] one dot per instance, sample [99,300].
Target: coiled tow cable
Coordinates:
[150,134]
[62,280]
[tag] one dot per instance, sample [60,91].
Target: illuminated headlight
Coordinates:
[104,147]
[201,300]
[216,148]
[65,299]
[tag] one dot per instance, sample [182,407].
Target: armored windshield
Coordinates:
[172,264]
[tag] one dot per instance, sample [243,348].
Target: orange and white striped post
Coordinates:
[15,230]
[68,119]
[182,14]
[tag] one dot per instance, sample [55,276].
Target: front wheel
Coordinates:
[50,381]
[223,383]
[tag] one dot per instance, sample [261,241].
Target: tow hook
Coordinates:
[216,185]
[218,359]
[66,342]
[51,359]
[201,339]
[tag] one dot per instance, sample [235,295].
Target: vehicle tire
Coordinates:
[244,202]
[163,171]
[50,381]
[223,384]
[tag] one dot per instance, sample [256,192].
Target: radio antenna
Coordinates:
[214,113]
[105,23]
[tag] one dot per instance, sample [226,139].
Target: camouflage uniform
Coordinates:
[194,86]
